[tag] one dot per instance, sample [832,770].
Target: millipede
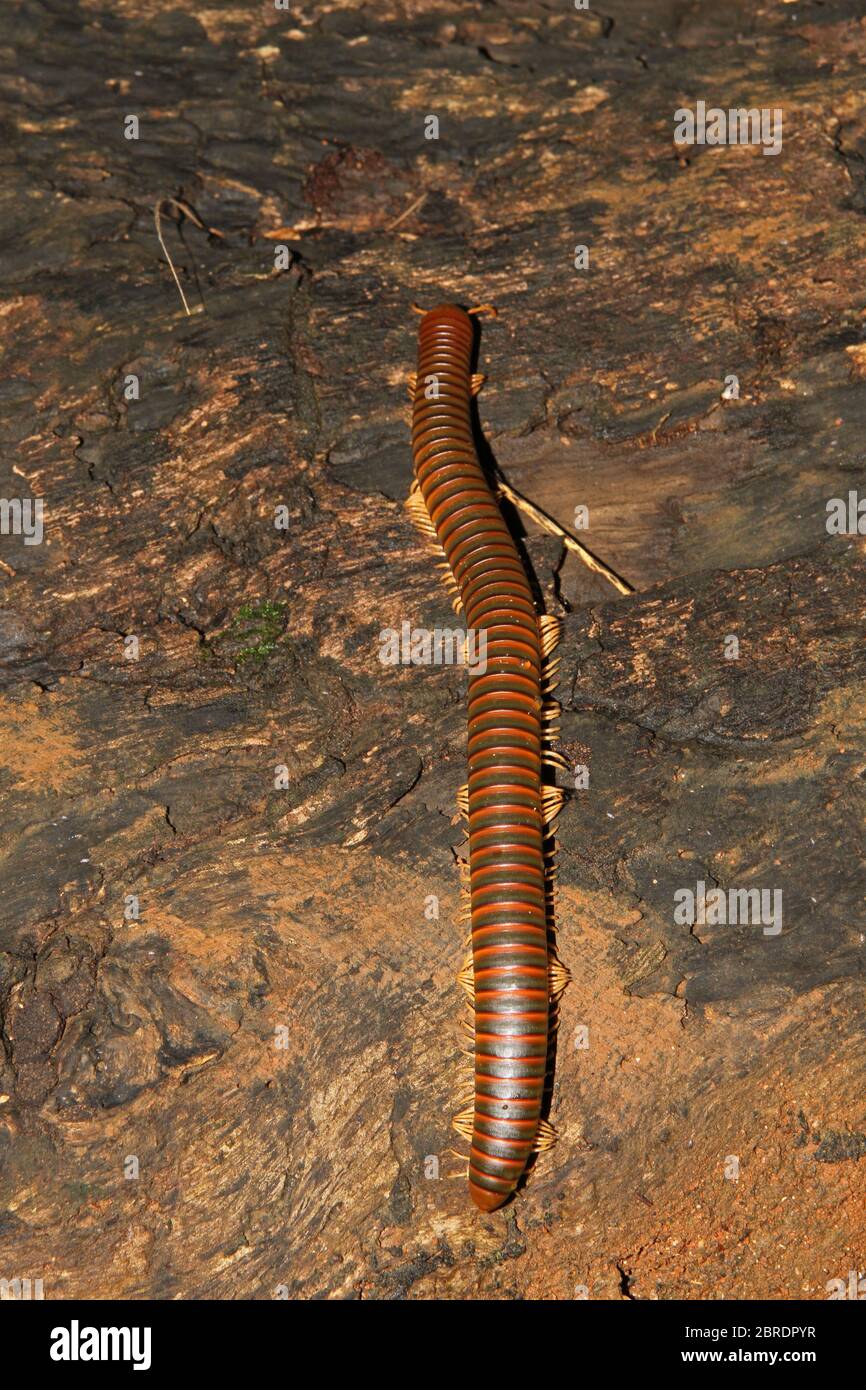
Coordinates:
[511,972]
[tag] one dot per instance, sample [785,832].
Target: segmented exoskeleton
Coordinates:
[512,977]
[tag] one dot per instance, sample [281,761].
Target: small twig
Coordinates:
[547,523]
[413,207]
[659,425]
[186,211]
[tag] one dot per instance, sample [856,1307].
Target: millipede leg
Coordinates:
[466,977]
[546,1137]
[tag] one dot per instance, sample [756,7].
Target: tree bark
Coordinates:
[231,1030]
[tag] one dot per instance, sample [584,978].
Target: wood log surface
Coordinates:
[230,1024]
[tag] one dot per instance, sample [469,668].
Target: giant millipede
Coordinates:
[512,975]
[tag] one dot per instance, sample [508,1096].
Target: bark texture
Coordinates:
[233,975]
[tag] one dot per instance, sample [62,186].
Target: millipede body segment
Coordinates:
[508,808]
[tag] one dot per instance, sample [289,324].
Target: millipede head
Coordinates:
[444,313]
